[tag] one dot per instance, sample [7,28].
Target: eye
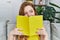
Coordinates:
[31,11]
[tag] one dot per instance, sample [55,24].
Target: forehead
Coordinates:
[28,8]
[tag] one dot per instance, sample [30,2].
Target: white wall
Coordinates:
[56,2]
[43,2]
[57,9]
[9,9]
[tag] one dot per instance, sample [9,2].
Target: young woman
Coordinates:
[27,9]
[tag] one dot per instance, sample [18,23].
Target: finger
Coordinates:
[18,29]
[41,32]
[41,29]
[42,37]
[18,33]
[14,37]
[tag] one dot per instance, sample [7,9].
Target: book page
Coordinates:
[35,23]
[23,23]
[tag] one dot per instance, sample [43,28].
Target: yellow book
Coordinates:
[29,25]
[35,23]
[22,22]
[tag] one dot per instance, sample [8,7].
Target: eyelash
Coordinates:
[31,11]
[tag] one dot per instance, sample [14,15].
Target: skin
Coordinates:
[28,11]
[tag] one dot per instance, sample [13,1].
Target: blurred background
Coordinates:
[50,9]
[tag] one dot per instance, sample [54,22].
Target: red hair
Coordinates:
[21,11]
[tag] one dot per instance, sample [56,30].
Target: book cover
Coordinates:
[22,22]
[30,24]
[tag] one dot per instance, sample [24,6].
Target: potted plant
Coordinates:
[49,12]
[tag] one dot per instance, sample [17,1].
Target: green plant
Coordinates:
[49,12]
[39,9]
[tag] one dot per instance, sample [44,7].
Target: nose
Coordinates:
[30,14]
[27,15]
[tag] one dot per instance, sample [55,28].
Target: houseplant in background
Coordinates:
[48,12]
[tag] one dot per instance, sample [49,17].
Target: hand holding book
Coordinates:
[30,25]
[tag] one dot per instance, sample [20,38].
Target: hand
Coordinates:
[13,33]
[16,31]
[42,34]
